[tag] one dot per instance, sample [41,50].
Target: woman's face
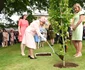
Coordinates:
[25,16]
[76,9]
[42,23]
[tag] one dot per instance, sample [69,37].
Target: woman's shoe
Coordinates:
[74,54]
[31,57]
[22,54]
[79,55]
[28,55]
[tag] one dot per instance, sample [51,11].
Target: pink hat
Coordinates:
[43,19]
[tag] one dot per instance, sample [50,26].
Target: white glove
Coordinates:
[71,28]
[43,38]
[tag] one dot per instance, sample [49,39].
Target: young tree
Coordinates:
[60,16]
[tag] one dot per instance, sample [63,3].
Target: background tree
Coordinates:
[12,6]
[19,6]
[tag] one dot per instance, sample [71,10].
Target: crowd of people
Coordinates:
[8,37]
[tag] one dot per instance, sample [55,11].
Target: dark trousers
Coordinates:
[0,43]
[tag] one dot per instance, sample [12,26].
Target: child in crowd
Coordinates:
[5,38]
[37,40]
[44,33]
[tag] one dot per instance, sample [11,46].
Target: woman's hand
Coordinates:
[74,27]
[19,33]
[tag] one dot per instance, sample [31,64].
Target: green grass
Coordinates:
[10,59]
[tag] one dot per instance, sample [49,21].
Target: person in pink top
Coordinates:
[22,25]
[31,30]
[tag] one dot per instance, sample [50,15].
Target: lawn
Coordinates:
[10,59]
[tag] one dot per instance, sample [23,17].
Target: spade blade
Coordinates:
[60,56]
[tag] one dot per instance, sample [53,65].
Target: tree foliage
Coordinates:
[19,6]
[12,6]
[58,11]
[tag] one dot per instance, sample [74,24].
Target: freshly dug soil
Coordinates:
[43,54]
[67,65]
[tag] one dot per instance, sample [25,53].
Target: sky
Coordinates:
[15,17]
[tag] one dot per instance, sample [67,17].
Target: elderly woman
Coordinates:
[77,28]
[31,30]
